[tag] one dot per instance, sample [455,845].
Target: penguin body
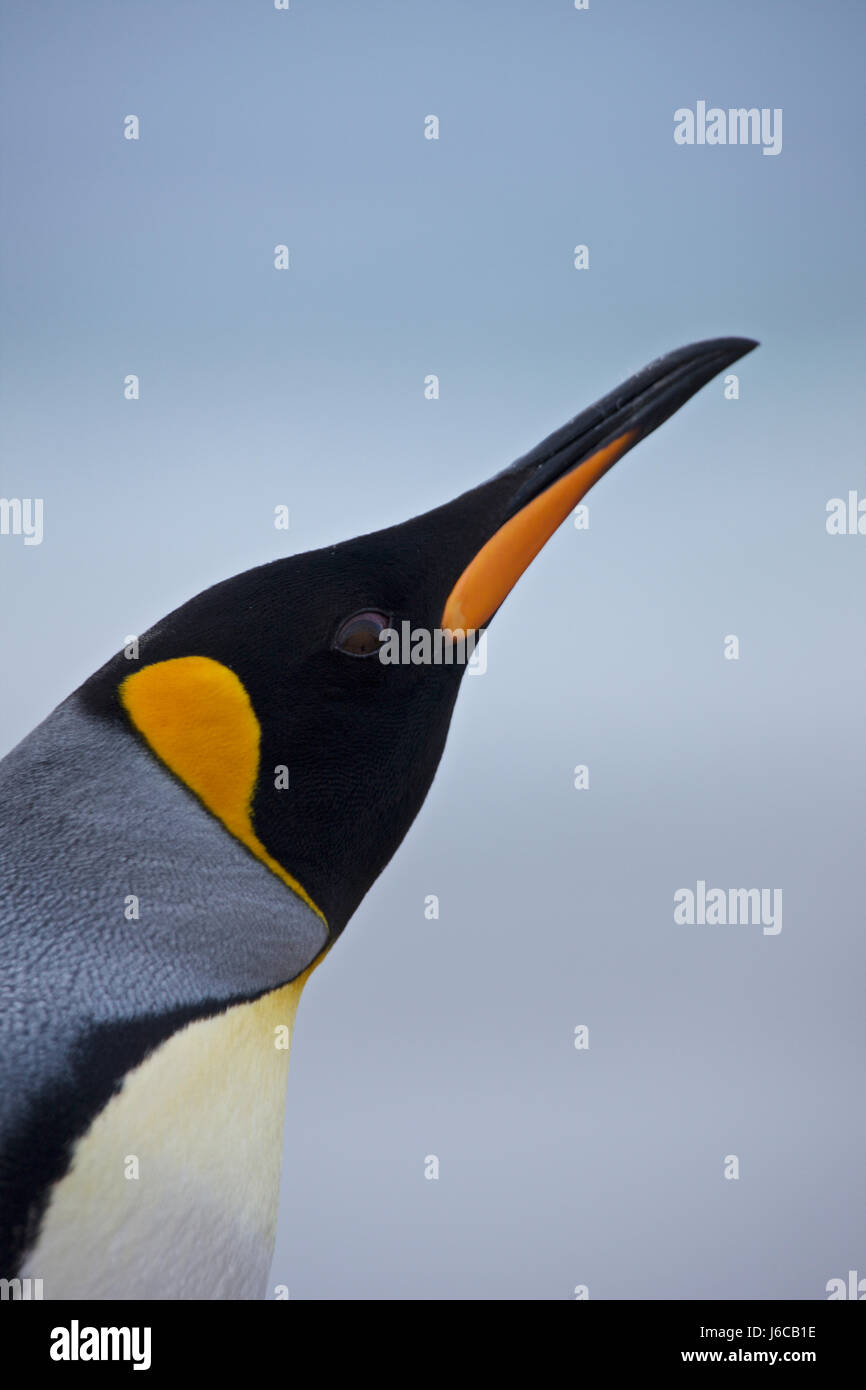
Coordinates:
[186,836]
[88,993]
[207,1164]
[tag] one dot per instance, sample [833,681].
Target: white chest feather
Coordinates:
[200,1122]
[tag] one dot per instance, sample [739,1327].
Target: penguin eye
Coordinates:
[359,635]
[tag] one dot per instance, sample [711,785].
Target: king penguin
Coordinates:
[164,894]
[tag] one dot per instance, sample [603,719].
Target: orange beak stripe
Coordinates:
[494,571]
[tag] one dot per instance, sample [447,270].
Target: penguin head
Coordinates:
[270,694]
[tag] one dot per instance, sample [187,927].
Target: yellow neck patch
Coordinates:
[198,719]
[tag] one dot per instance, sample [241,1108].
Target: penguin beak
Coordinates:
[550,481]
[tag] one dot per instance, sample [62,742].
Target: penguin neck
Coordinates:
[173,1191]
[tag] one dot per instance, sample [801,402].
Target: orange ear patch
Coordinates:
[197,717]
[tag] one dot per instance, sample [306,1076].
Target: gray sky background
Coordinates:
[409,256]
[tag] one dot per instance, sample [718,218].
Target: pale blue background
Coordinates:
[408,257]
